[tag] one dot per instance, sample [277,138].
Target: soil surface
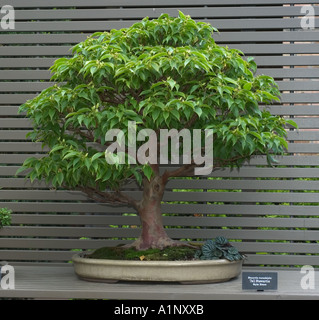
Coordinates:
[167,254]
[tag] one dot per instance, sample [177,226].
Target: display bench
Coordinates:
[48,282]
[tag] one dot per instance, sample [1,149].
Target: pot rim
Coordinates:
[78,258]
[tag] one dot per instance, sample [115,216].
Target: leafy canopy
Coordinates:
[161,73]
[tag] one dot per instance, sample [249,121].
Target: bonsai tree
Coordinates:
[161,74]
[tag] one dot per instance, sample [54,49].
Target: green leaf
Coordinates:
[181,15]
[247,86]
[176,114]
[255,134]
[56,148]
[271,159]
[199,111]
[292,123]
[107,175]
[138,177]
[70,154]
[60,178]
[172,83]
[147,170]
[97,155]
[230,80]
[130,113]
[21,169]
[155,114]
[87,163]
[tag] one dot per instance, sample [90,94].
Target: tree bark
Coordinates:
[153,234]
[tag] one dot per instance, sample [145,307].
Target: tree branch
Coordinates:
[178,172]
[114,198]
[191,121]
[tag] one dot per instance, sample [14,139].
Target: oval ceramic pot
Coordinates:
[199,271]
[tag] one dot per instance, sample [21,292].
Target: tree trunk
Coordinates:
[153,234]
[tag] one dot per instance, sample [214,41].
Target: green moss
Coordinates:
[120,253]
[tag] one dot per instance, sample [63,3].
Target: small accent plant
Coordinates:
[5,217]
[216,249]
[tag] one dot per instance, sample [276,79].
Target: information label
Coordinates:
[259,281]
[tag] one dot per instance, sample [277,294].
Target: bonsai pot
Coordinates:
[194,271]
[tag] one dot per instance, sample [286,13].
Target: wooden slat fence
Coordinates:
[271,213]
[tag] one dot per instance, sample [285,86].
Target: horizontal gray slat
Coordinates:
[24,86]
[243,172]
[268,173]
[36,255]
[25,75]
[92,26]
[178,233]
[45,38]
[13,134]
[265,36]
[261,61]
[295,197]
[22,147]
[293,60]
[70,232]
[140,13]
[307,122]
[15,98]
[18,62]
[278,48]
[8,110]
[15,123]
[52,243]
[282,260]
[194,184]
[298,110]
[222,37]
[274,247]
[304,147]
[298,85]
[35,50]
[292,160]
[53,207]
[95,220]
[146,3]
[300,97]
[289,72]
